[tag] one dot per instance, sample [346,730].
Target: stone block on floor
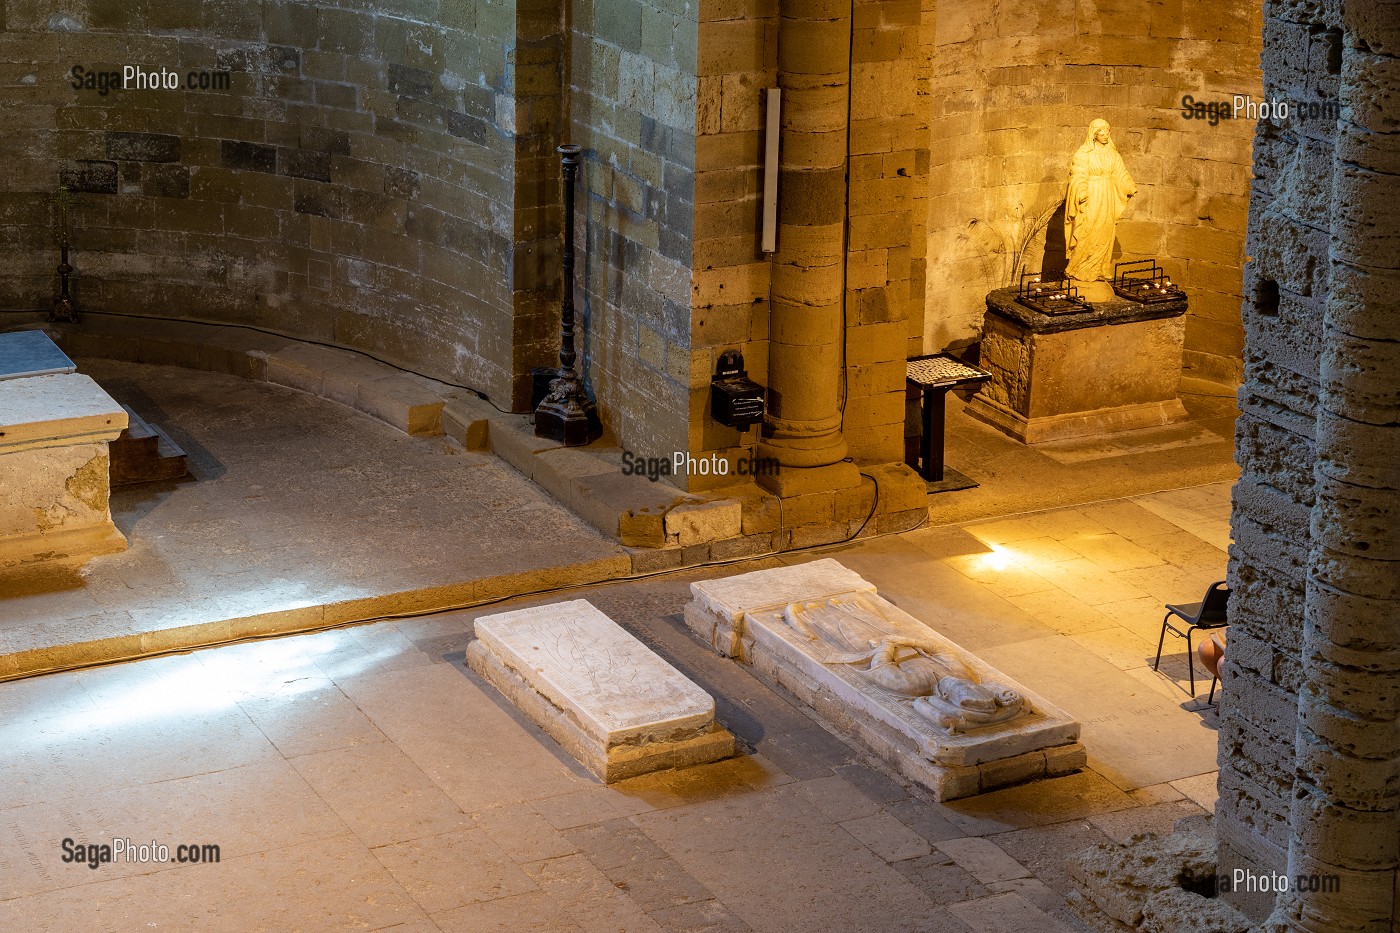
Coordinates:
[610,701]
[467,419]
[1114,367]
[697,523]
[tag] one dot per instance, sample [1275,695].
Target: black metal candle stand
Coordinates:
[65,309]
[1145,282]
[566,414]
[1049,294]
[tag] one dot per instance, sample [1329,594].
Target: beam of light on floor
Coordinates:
[999,558]
[214,680]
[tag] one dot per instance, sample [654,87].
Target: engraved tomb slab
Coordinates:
[611,701]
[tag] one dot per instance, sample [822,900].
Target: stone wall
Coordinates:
[384,179]
[1313,637]
[1012,92]
[887,214]
[633,109]
[370,179]
[729,306]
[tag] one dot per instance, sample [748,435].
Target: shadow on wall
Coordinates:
[1001,257]
[1052,254]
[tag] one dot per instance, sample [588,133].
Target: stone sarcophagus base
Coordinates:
[1115,367]
[54,484]
[885,680]
[608,699]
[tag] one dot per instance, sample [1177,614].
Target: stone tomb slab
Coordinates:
[608,699]
[31,353]
[885,680]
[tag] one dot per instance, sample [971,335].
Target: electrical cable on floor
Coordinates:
[874,506]
[846,237]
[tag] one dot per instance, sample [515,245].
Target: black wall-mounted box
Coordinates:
[735,399]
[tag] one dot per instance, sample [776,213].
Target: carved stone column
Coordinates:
[803,426]
[1345,817]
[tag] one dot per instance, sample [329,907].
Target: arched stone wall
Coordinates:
[370,178]
[1012,90]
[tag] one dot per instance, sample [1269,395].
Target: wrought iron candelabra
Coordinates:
[566,414]
[64,310]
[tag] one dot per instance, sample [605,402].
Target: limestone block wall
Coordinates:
[732,276]
[633,108]
[368,179]
[889,163]
[1310,739]
[1012,90]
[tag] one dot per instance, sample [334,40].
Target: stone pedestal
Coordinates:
[54,484]
[1115,367]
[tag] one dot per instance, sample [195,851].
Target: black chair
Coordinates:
[1207,614]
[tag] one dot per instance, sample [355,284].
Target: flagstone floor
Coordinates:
[365,779]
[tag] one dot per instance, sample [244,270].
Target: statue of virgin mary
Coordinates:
[1099,189]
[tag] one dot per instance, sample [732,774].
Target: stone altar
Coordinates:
[911,697]
[54,431]
[608,699]
[1114,367]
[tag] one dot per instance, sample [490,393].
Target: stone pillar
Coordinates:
[803,426]
[1345,813]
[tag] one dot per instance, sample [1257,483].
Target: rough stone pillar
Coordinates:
[803,426]
[1345,814]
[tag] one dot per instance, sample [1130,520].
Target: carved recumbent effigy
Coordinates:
[914,699]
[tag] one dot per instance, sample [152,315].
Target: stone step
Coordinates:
[138,434]
[413,404]
[144,454]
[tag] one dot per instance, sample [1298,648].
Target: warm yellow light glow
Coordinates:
[998,558]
